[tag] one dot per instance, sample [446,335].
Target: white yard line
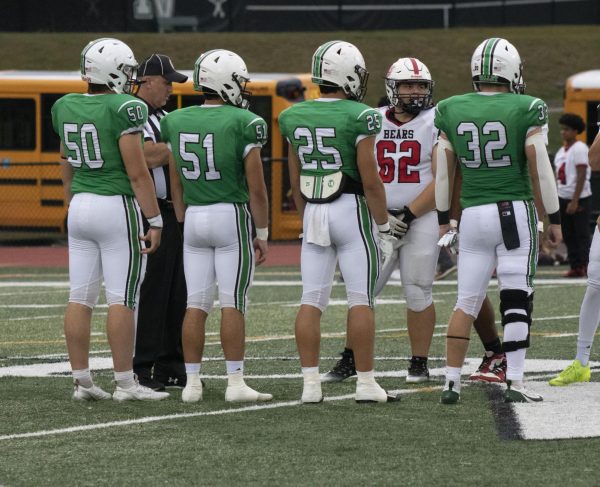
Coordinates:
[167,417]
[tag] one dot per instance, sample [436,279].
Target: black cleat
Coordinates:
[343,369]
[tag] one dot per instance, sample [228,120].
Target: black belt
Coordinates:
[165,204]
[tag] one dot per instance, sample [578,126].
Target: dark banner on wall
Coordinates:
[282,15]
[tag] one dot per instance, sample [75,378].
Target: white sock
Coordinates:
[192,368]
[84,377]
[453,374]
[311,374]
[515,361]
[234,366]
[125,380]
[589,317]
[365,377]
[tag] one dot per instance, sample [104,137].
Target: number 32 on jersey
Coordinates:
[407,153]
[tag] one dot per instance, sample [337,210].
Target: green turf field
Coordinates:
[550,54]
[45,438]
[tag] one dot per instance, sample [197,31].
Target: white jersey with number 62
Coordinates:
[403,152]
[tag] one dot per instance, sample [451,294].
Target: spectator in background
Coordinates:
[573,175]
[158,360]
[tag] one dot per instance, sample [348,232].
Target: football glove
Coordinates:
[450,240]
[400,220]
[386,245]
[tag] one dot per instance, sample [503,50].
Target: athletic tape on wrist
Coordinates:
[262,233]
[156,221]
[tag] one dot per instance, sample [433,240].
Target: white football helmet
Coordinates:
[225,73]
[340,64]
[409,70]
[109,62]
[497,61]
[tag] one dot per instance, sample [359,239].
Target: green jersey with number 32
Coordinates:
[89,127]
[324,134]
[209,144]
[488,134]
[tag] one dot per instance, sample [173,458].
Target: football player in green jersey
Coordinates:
[106,182]
[494,136]
[337,189]
[216,171]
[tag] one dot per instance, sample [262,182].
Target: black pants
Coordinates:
[163,299]
[576,232]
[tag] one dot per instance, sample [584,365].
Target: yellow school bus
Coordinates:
[31,194]
[582,97]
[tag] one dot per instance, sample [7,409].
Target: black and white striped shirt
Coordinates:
[160,174]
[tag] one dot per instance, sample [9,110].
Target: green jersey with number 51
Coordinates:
[89,127]
[209,144]
[324,134]
[488,134]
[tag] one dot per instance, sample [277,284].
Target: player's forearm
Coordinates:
[424,202]
[143,188]
[67,178]
[594,154]
[176,191]
[259,207]
[537,156]
[377,203]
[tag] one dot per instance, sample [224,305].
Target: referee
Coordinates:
[158,360]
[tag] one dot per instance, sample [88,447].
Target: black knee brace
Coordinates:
[516,299]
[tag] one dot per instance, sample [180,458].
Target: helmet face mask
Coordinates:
[224,73]
[497,61]
[406,72]
[340,64]
[109,62]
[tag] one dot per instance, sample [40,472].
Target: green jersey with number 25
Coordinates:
[209,144]
[89,127]
[324,134]
[488,134]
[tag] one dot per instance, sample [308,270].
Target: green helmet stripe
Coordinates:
[488,56]
[318,58]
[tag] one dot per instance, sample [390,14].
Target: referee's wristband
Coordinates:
[262,233]
[156,221]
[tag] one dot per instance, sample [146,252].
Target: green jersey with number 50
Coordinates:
[488,134]
[324,134]
[209,144]
[89,127]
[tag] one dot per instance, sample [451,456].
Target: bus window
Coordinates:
[17,124]
[50,139]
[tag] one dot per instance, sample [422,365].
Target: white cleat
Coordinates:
[138,393]
[244,393]
[192,392]
[367,392]
[93,393]
[312,394]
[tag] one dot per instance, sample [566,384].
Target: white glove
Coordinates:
[386,245]
[450,240]
[400,220]
[398,227]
